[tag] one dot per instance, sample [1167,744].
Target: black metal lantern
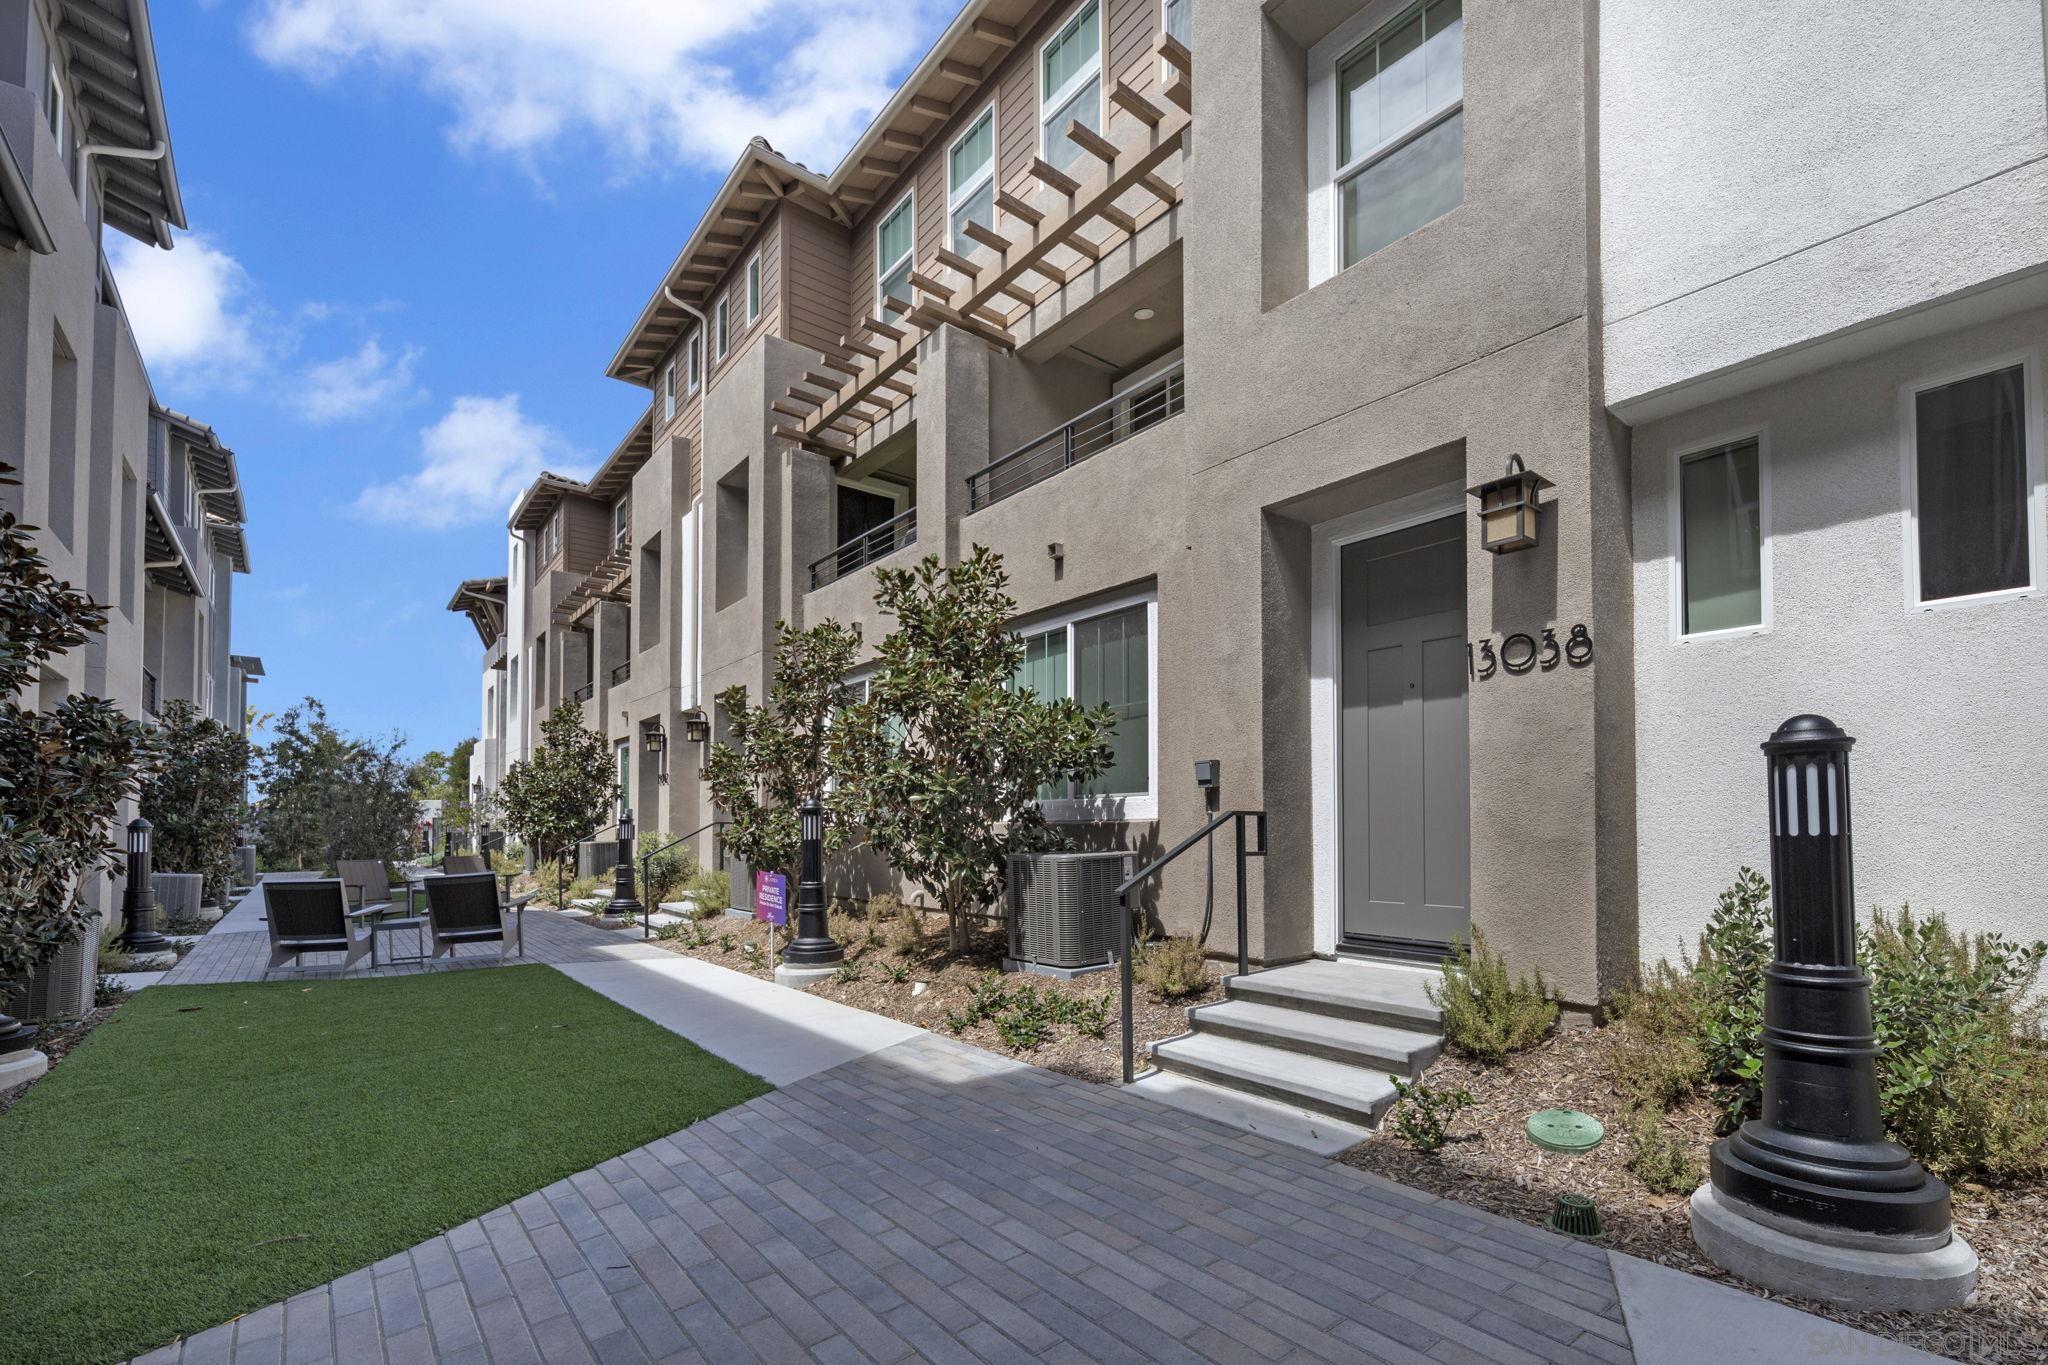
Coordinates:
[624,902]
[696,727]
[813,945]
[1508,508]
[656,740]
[138,898]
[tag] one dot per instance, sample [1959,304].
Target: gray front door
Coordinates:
[1406,820]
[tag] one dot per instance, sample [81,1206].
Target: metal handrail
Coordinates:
[865,548]
[583,693]
[622,672]
[1091,432]
[1151,869]
[647,861]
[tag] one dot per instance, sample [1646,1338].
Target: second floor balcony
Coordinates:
[864,549]
[1143,406]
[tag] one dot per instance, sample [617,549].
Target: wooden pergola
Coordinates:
[871,372]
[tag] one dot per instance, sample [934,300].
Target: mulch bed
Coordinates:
[1491,1164]
[58,1037]
[940,983]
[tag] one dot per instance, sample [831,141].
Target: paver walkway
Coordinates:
[935,1201]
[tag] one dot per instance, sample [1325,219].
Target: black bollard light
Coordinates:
[624,904]
[1814,1177]
[813,945]
[138,899]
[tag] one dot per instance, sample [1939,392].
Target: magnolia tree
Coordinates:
[63,771]
[776,756]
[194,798]
[329,795]
[942,764]
[564,793]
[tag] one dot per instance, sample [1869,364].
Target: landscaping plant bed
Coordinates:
[1491,1164]
[937,985]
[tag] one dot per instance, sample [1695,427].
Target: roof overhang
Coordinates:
[616,473]
[483,601]
[163,557]
[110,54]
[21,222]
[537,503]
[249,664]
[228,539]
[218,477]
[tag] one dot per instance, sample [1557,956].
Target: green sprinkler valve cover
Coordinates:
[1565,1130]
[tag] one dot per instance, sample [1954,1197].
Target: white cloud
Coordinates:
[354,385]
[649,80]
[473,463]
[194,316]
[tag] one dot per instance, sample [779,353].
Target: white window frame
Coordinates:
[1326,178]
[1675,520]
[721,327]
[668,392]
[56,114]
[1166,67]
[883,269]
[693,367]
[1050,100]
[751,282]
[958,195]
[2029,362]
[1132,806]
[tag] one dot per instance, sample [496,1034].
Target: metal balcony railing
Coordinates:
[584,693]
[151,701]
[863,550]
[621,673]
[1091,433]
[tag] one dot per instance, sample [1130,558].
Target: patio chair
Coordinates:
[366,883]
[462,864]
[312,917]
[464,908]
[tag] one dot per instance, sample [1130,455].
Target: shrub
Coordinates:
[1729,984]
[194,798]
[583,888]
[902,925]
[1962,1081]
[1658,1156]
[896,972]
[1423,1113]
[847,929]
[849,972]
[1170,968]
[107,991]
[712,890]
[1657,1056]
[665,872]
[508,864]
[1486,1014]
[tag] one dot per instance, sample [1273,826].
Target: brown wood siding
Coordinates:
[817,264]
[586,533]
[1132,26]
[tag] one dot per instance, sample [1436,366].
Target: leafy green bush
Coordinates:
[1729,984]
[509,862]
[583,888]
[1657,1056]
[666,871]
[902,925]
[1486,1014]
[1423,1113]
[1170,968]
[1025,1015]
[712,890]
[1658,1156]
[1962,1080]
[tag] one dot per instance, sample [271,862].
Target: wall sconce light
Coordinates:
[657,744]
[1508,510]
[696,727]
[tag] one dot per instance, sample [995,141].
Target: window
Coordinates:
[1177,17]
[1101,657]
[1398,159]
[668,392]
[754,290]
[721,334]
[53,106]
[1070,85]
[696,359]
[1720,542]
[622,523]
[624,750]
[893,241]
[1973,478]
[971,180]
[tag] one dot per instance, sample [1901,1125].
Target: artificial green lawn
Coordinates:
[212,1149]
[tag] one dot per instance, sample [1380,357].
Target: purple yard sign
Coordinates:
[771,897]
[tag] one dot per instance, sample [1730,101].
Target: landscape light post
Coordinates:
[624,902]
[813,945]
[1810,1197]
[138,898]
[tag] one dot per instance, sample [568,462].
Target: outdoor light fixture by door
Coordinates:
[1508,510]
[657,744]
[696,727]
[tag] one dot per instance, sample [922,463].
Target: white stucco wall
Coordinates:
[1951,802]
[1772,176]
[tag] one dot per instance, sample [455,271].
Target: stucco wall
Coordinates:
[1944,704]
[1770,180]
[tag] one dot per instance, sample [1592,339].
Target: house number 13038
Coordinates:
[1522,653]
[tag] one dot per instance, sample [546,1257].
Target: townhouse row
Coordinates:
[1209,316]
[135,503]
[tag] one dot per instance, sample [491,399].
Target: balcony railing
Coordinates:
[622,673]
[863,550]
[1093,432]
[151,702]
[584,693]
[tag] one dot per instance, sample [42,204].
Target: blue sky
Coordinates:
[419,230]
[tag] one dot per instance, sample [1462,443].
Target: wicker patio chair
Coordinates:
[464,908]
[312,917]
[462,864]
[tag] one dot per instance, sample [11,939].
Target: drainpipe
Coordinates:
[696,681]
[703,323]
[154,153]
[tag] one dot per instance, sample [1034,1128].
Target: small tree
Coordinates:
[63,772]
[328,795]
[445,778]
[194,798]
[776,757]
[942,765]
[564,793]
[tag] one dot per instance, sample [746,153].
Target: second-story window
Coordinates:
[754,290]
[893,240]
[694,358]
[622,523]
[721,332]
[1177,17]
[665,392]
[1070,84]
[1400,129]
[971,180]
[53,106]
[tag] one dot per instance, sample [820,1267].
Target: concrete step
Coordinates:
[1377,1047]
[1350,1093]
[1361,991]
